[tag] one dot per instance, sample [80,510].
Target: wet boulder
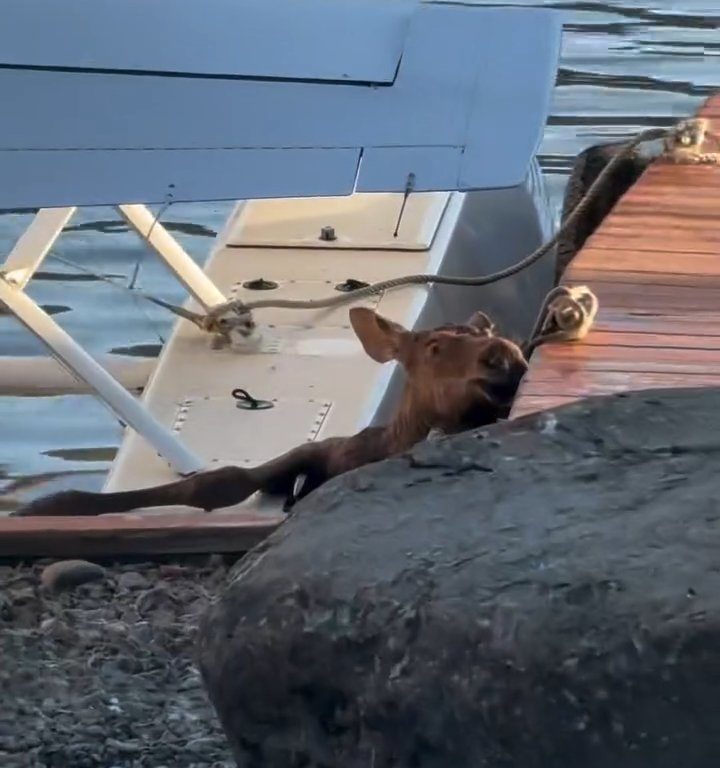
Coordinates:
[545,592]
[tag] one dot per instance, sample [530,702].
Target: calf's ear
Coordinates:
[482,322]
[380,337]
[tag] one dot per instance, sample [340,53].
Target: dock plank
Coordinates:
[633,340]
[642,278]
[703,324]
[652,297]
[654,264]
[133,534]
[586,383]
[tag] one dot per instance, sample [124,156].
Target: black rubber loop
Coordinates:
[249,403]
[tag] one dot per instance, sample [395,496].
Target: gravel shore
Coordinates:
[103,675]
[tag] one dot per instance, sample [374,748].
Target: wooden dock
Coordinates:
[654,264]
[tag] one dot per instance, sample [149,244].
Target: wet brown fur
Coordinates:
[458,377]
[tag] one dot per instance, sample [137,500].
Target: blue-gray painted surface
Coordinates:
[359,40]
[466,111]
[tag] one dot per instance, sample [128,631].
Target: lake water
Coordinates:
[624,66]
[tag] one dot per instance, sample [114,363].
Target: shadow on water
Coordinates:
[113,227]
[51,309]
[138,350]
[84,454]
[71,277]
[634,82]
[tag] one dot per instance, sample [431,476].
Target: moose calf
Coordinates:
[458,377]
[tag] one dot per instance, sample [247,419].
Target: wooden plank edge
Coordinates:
[627,258]
[614,241]
[649,340]
[111,535]
[701,327]
[539,403]
[583,276]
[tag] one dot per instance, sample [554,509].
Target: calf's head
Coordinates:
[458,376]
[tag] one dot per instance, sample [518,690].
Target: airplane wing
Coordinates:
[147,101]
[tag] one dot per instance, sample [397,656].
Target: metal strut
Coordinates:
[25,259]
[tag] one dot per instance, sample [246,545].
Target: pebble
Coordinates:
[172,571]
[68,574]
[23,596]
[124,747]
[132,580]
[105,678]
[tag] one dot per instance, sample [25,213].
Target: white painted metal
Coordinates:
[74,357]
[465,111]
[172,253]
[34,244]
[351,40]
[204,423]
[297,223]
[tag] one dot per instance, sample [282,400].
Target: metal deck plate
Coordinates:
[363,221]
[218,430]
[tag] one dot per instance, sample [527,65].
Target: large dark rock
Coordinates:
[542,593]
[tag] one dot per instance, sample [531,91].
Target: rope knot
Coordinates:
[229,321]
[686,143]
[567,314]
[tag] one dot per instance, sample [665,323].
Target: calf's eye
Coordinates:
[496,362]
[433,349]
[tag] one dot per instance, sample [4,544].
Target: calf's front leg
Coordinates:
[213,489]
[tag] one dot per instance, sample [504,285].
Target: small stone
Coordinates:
[68,574]
[6,611]
[116,629]
[123,747]
[142,632]
[132,580]
[91,636]
[23,596]
[172,571]
[155,601]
